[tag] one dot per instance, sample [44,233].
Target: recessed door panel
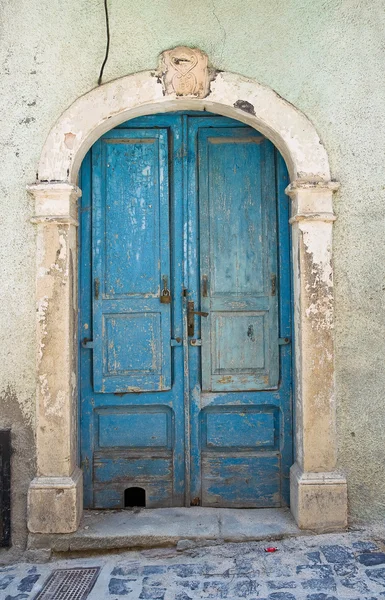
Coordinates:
[133,168]
[133,427]
[241,481]
[230,428]
[230,195]
[239,341]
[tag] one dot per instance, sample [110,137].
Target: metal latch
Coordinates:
[87,343]
[190,317]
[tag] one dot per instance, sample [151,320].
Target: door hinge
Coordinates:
[176,342]
[96,288]
[85,463]
[284,341]
[273,285]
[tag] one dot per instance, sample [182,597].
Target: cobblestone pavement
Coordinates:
[325,567]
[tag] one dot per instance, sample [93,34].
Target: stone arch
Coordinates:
[140,94]
[318,492]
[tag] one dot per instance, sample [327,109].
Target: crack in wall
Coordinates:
[224,34]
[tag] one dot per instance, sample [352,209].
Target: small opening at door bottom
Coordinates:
[134,496]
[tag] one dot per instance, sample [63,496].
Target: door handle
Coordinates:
[190,317]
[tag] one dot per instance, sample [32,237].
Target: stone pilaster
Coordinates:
[55,495]
[318,493]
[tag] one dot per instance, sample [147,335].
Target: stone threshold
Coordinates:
[149,528]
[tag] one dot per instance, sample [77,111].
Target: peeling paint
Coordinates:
[319,278]
[245,106]
[69,140]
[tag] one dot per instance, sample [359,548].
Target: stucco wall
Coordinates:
[327,57]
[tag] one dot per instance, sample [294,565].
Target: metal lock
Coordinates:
[165,296]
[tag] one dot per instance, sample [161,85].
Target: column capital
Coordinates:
[326,217]
[303,185]
[312,200]
[55,202]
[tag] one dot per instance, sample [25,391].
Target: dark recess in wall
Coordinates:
[5,487]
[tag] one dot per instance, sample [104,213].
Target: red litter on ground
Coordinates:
[271,549]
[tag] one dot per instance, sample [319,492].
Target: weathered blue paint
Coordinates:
[135,428]
[249,429]
[131,259]
[195,203]
[109,467]
[238,249]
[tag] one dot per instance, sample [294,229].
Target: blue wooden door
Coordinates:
[185,316]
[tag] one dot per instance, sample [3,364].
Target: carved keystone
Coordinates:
[184,72]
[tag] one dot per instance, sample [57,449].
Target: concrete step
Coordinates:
[145,528]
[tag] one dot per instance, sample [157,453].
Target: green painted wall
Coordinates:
[327,57]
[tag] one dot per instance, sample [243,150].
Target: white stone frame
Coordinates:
[318,492]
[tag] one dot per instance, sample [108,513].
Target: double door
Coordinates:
[185,316]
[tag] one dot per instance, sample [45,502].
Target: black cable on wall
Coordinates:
[107,44]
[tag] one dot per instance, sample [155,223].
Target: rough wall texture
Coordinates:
[325,56]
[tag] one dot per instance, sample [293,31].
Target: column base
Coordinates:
[318,501]
[55,504]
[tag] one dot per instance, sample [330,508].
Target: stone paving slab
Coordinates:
[349,566]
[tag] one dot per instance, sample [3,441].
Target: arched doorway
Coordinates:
[318,492]
[185,309]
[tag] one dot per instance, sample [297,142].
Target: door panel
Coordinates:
[131,257]
[192,203]
[229,428]
[238,260]
[240,377]
[130,223]
[241,481]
